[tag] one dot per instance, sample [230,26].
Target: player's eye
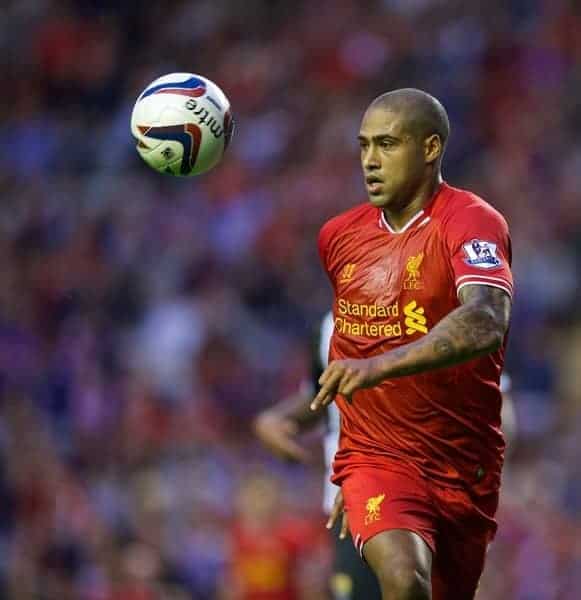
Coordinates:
[387,143]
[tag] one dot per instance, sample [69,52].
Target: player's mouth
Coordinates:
[374,184]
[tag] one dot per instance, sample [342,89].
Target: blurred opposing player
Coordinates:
[278,428]
[422,284]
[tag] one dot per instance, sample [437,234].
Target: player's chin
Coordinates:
[380,200]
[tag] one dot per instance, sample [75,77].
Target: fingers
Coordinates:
[329,380]
[348,386]
[343,377]
[344,526]
[350,382]
[321,399]
[332,517]
[339,511]
[336,511]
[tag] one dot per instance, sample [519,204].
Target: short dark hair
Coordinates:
[425,114]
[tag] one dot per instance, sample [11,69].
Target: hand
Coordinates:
[339,510]
[278,433]
[345,377]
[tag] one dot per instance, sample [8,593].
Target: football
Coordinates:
[182,124]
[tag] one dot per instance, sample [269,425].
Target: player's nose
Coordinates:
[370,159]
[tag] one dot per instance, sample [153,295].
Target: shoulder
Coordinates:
[355,217]
[465,210]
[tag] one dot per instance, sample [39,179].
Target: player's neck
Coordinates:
[398,217]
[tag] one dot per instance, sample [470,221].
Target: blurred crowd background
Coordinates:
[145,320]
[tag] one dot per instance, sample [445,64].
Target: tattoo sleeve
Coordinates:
[475,328]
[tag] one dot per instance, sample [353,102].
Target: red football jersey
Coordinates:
[392,287]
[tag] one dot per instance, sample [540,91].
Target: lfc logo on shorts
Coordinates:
[413,281]
[373,508]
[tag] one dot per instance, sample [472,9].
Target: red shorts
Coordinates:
[457,530]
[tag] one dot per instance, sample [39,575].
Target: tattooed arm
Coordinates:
[475,328]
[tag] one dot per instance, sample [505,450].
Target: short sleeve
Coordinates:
[480,250]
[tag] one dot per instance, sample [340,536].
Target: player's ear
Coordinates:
[432,148]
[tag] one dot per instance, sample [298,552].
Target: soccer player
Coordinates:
[278,427]
[422,284]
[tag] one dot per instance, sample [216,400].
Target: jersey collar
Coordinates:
[420,219]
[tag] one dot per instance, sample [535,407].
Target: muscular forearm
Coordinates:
[476,327]
[469,331]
